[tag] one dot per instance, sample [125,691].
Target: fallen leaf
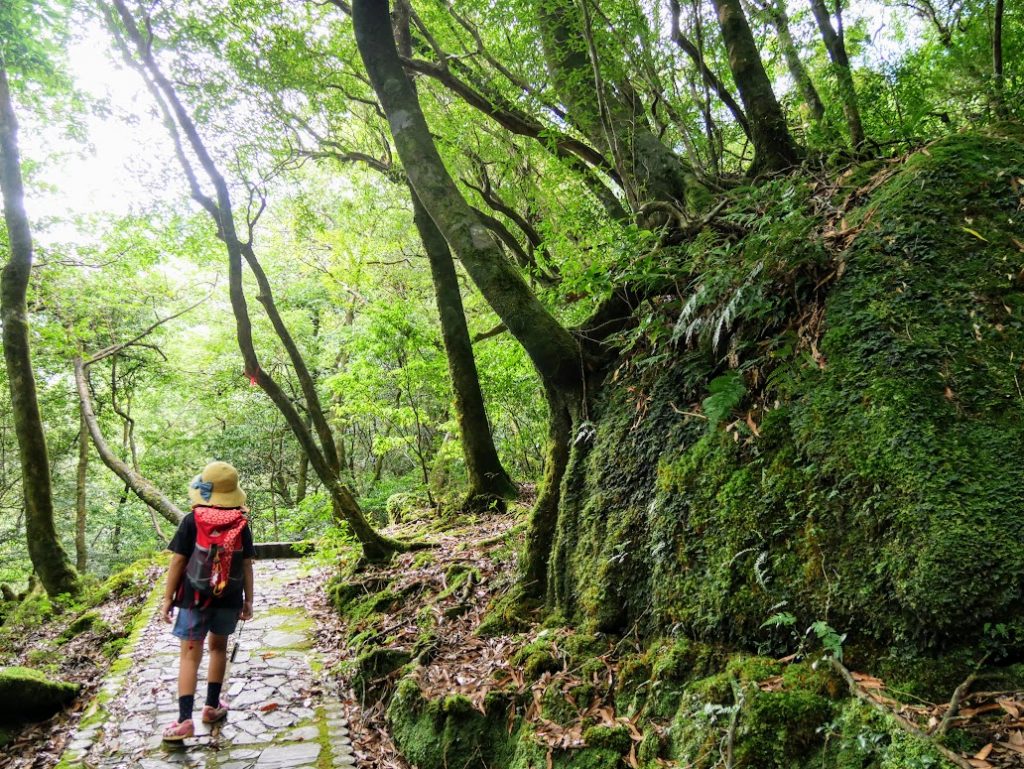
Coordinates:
[631,758]
[269,707]
[1010,707]
[982,754]
[975,233]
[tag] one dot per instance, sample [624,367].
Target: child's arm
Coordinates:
[174,574]
[247,583]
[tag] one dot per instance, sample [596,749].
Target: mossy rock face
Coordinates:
[614,738]
[778,730]
[451,732]
[507,614]
[27,694]
[879,488]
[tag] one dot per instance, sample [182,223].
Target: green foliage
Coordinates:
[726,391]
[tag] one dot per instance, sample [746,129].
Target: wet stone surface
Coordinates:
[280,712]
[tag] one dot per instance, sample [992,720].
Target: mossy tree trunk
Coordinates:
[552,349]
[613,119]
[550,346]
[775,10]
[49,559]
[488,480]
[997,59]
[711,80]
[836,47]
[774,148]
[81,549]
[544,516]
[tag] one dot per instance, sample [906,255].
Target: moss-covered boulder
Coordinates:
[875,487]
[28,695]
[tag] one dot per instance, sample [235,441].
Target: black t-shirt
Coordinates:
[184,542]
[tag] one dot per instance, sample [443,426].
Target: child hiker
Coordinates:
[210,583]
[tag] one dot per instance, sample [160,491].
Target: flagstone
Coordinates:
[274,692]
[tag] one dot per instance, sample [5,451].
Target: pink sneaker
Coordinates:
[212,715]
[177,732]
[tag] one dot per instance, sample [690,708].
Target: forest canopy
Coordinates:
[385,256]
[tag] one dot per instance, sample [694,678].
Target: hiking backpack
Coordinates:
[215,566]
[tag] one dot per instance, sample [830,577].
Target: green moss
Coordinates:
[778,730]
[133,580]
[878,489]
[88,620]
[508,613]
[343,590]
[404,507]
[614,738]
[822,680]
[372,670]
[440,734]
[555,707]
[27,694]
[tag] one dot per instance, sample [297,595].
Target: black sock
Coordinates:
[185,704]
[213,694]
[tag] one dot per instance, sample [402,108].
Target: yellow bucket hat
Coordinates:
[216,486]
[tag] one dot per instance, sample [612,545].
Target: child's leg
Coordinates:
[222,624]
[218,661]
[190,627]
[188,666]
[188,671]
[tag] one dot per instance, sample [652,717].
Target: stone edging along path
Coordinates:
[281,715]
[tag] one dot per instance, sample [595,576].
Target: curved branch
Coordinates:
[143,488]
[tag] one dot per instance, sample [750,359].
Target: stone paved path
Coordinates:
[281,716]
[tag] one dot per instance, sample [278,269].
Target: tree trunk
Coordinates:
[552,349]
[49,559]
[650,171]
[841,65]
[707,75]
[776,12]
[997,60]
[774,148]
[544,517]
[488,480]
[143,488]
[550,346]
[81,551]
[300,486]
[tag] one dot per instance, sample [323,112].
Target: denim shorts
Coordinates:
[194,624]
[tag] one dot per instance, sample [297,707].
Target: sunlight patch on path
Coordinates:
[281,716]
